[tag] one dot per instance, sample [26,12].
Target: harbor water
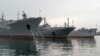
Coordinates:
[51,47]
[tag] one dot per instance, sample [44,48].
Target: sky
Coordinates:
[84,13]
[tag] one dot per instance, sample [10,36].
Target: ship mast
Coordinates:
[2,17]
[72,22]
[44,21]
[65,24]
[18,16]
[68,22]
[40,13]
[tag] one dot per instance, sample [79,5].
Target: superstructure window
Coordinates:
[28,27]
[53,33]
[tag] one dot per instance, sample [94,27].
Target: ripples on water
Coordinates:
[51,47]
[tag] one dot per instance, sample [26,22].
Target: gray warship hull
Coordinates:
[56,32]
[21,29]
[83,33]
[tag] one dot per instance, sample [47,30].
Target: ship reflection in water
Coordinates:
[70,47]
[11,47]
[84,47]
[50,47]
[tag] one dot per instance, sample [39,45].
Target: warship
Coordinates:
[46,30]
[83,32]
[19,29]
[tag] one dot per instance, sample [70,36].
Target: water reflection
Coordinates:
[67,47]
[54,47]
[84,46]
[49,47]
[84,42]
[9,47]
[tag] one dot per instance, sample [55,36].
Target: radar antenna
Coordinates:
[24,15]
